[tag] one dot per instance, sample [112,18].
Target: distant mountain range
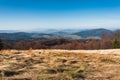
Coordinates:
[53,34]
[8,31]
[93,33]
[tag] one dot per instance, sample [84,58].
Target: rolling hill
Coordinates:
[75,34]
[93,33]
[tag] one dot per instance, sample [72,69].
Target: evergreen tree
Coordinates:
[115,43]
[1,45]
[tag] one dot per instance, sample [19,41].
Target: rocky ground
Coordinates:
[60,65]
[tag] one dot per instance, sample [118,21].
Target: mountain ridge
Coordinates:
[75,34]
[93,32]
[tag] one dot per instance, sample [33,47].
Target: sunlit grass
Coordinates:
[58,65]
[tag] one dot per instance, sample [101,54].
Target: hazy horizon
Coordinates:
[59,14]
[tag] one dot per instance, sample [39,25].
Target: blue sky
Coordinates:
[59,14]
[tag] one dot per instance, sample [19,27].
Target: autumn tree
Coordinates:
[116,34]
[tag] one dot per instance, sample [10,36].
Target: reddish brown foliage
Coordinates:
[104,43]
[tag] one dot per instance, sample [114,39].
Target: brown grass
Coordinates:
[59,65]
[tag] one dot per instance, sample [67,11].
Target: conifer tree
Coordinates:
[115,43]
[1,45]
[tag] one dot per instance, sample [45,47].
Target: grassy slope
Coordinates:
[60,65]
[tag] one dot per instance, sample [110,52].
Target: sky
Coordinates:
[59,14]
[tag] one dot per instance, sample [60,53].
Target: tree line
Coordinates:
[107,41]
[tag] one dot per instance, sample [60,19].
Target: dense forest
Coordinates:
[106,42]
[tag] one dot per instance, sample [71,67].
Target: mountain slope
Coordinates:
[93,33]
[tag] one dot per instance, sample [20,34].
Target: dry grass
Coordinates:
[59,65]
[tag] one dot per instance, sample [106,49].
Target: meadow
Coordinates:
[60,64]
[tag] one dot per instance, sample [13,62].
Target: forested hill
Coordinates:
[67,34]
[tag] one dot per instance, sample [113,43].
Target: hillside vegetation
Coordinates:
[60,64]
[108,40]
